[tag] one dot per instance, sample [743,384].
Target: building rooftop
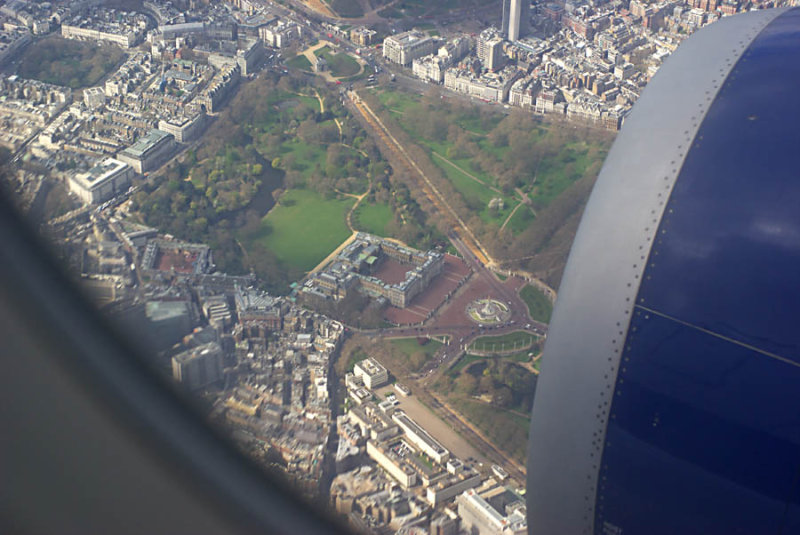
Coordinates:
[253,300]
[197,352]
[163,310]
[146,142]
[371,366]
[100,173]
[409,38]
[404,421]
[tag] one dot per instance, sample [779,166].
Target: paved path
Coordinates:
[514,211]
[321,104]
[358,198]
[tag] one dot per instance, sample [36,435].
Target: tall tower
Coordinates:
[506,15]
[519,11]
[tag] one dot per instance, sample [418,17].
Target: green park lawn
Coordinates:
[473,191]
[350,9]
[306,156]
[479,124]
[407,354]
[299,62]
[521,219]
[373,218]
[341,65]
[295,237]
[398,101]
[539,306]
[307,101]
[409,346]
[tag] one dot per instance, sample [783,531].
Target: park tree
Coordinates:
[467,384]
[486,383]
[503,397]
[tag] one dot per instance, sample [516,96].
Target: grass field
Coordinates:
[294,153]
[466,360]
[398,101]
[299,62]
[409,346]
[341,65]
[479,124]
[372,218]
[403,356]
[306,156]
[521,219]
[301,241]
[297,106]
[518,339]
[476,195]
[424,459]
[349,9]
[539,305]
[308,101]
[354,358]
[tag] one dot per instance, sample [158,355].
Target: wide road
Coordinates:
[474,436]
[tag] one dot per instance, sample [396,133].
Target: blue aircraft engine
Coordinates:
[669,398]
